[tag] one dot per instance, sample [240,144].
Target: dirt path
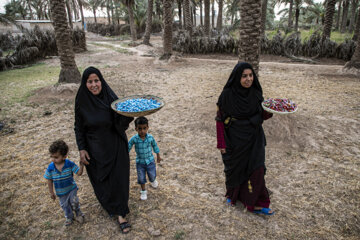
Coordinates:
[313,166]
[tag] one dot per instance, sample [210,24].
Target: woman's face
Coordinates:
[247,78]
[93,83]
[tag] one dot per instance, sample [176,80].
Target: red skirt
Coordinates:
[252,192]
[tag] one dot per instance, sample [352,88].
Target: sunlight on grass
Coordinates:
[18,84]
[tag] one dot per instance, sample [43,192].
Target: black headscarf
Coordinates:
[237,101]
[89,101]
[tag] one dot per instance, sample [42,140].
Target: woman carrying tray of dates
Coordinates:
[103,144]
[241,140]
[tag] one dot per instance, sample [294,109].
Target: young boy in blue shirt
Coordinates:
[60,174]
[145,162]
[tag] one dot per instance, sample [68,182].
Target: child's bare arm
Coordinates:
[81,170]
[51,189]
[158,158]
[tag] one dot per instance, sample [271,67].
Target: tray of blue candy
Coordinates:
[137,105]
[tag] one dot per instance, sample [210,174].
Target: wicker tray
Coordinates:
[276,112]
[138,114]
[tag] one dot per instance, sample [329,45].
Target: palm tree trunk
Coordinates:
[263,16]
[219,17]
[338,16]
[194,11]
[201,13]
[168,21]
[344,16]
[158,8]
[75,10]
[30,10]
[297,14]
[250,25]
[94,11]
[148,22]
[179,9]
[354,4]
[69,71]
[207,17]
[191,16]
[355,59]
[290,19]
[108,11]
[132,22]
[329,14]
[82,14]
[212,13]
[187,16]
[357,28]
[69,14]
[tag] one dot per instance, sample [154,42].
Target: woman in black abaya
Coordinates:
[241,139]
[102,142]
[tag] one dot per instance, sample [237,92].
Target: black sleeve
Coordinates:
[79,129]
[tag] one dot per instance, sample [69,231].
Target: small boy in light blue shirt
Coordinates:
[145,162]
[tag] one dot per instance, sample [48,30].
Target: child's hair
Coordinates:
[59,146]
[141,121]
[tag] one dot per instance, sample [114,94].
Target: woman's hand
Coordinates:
[222,150]
[84,157]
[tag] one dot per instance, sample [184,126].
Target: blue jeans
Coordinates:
[70,203]
[142,169]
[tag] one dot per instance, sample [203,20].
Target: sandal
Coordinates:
[265,211]
[123,226]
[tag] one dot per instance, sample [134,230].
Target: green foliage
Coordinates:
[179,235]
[18,84]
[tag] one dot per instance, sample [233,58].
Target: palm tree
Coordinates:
[168,21]
[207,17]
[263,16]
[179,2]
[354,5]
[69,71]
[148,22]
[201,13]
[250,26]
[219,17]
[187,15]
[355,59]
[343,23]
[129,5]
[213,13]
[357,28]
[329,14]
[338,15]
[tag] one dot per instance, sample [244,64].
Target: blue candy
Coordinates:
[137,105]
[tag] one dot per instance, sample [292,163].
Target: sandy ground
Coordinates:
[313,167]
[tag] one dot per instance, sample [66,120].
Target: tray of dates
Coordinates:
[279,105]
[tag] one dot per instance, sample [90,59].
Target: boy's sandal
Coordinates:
[123,226]
[265,211]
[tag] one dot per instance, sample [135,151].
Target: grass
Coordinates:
[18,84]
[305,34]
[117,49]
[179,235]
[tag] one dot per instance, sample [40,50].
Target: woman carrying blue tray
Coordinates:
[103,144]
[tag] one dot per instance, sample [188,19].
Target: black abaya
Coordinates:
[101,132]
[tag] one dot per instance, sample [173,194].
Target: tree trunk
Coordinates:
[329,14]
[344,16]
[168,20]
[158,8]
[355,59]
[132,22]
[94,11]
[82,15]
[297,14]
[201,13]
[191,16]
[75,10]
[108,11]
[250,25]
[219,17]
[290,19]
[213,13]
[357,28]
[69,71]
[187,16]
[179,9]
[337,27]
[69,14]
[30,10]
[207,17]
[263,16]
[194,13]
[354,4]
[148,22]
